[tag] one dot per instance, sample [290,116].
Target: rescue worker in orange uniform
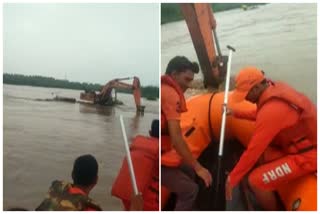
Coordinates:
[284,143]
[144,154]
[180,180]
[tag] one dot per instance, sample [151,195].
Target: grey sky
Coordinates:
[84,42]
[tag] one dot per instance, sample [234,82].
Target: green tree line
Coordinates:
[171,12]
[149,92]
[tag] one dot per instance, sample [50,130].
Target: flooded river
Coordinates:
[42,139]
[281,39]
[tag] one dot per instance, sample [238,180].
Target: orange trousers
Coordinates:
[279,168]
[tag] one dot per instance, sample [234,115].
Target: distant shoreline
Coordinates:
[170,12]
[148,92]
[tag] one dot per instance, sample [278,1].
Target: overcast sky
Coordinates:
[84,42]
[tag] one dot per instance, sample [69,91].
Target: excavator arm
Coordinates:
[202,24]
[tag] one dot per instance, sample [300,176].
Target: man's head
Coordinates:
[85,171]
[182,70]
[154,132]
[250,84]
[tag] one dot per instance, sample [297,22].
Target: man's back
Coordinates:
[63,196]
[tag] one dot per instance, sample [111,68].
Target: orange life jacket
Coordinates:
[165,139]
[145,160]
[302,136]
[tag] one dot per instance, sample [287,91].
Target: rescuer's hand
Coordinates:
[136,202]
[228,190]
[204,174]
[229,112]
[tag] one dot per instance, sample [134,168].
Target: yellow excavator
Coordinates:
[298,195]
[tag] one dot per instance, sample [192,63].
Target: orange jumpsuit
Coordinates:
[279,166]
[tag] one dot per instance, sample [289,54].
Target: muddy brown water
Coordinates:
[42,139]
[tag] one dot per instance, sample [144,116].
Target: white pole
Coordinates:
[225,102]
[132,176]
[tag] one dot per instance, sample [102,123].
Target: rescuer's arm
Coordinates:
[273,117]
[182,149]
[247,115]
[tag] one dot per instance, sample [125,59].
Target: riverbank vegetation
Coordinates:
[148,92]
[170,12]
